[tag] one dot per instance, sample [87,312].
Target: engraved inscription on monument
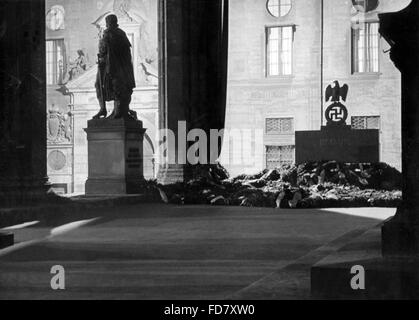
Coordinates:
[134,159]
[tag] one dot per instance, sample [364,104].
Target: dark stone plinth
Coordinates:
[115,157]
[400,238]
[338,143]
[385,277]
[6,240]
[115,124]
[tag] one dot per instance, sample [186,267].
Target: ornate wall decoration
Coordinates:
[59,126]
[57,160]
[77,67]
[55,19]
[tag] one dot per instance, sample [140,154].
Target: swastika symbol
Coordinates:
[336,114]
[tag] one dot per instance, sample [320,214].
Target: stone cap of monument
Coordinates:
[115,124]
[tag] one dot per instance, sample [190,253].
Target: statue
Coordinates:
[115,78]
[77,67]
[335,92]
[136,13]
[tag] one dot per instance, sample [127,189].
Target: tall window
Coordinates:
[279,50]
[365,48]
[277,156]
[55,61]
[363,123]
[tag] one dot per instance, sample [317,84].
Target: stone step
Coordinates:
[6,240]
[293,280]
[74,205]
[385,278]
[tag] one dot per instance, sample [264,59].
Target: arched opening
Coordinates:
[73,29]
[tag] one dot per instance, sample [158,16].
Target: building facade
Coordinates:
[277,76]
[282,56]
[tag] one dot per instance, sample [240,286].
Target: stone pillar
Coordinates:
[193,73]
[400,236]
[115,153]
[23,174]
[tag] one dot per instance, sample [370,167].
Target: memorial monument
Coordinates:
[337,141]
[115,143]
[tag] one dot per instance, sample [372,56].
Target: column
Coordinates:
[23,176]
[400,236]
[193,74]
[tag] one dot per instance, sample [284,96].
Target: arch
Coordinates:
[149,154]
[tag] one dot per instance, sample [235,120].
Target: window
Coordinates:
[279,8]
[55,61]
[279,50]
[365,48]
[277,156]
[363,123]
[280,126]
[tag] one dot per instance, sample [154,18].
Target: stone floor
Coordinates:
[171,252]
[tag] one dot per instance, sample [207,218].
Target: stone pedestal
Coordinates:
[115,157]
[400,238]
[392,278]
[338,143]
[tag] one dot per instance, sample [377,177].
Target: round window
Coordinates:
[278,8]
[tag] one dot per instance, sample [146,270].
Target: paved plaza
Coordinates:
[155,251]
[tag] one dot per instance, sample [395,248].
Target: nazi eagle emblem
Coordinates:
[336,113]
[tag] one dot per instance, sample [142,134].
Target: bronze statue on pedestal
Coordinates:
[115,77]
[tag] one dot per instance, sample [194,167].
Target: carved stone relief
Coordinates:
[59,126]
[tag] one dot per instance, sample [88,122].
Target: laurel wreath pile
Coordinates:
[311,185]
